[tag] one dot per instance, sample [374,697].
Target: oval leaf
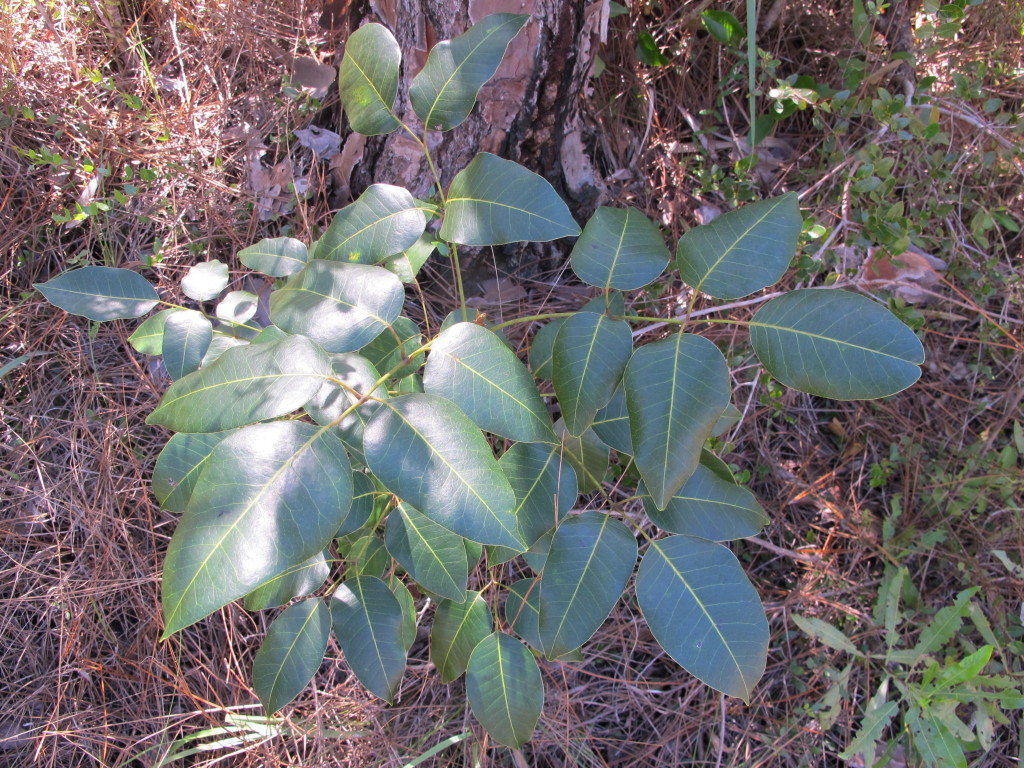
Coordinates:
[187,337]
[385,220]
[291,653]
[458,627]
[590,353]
[342,307]
[494,201]
[368,80]
[709,507]
[619,248]
[275,256]
[408,605]
[445,90]
[505,689]
[149,336]
[611,423]
[179,465]
[676,389]
[238,307]
[100,293]
[355,378]
[741,251]
[205,281]
[522,611]
[835,344]
[544,485]
[704,613]
[302,579]
[591,558]
[433,556]
[244,385]
[474,369]
[269,498]
[368,622]
[428,453]
[542,348]
[586,454]
[393,351]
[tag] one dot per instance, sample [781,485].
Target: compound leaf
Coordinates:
[368,79]
[187,336]
[148,338]
[244,385]
[428,453]
[835,344]
[494,201]
[291,653]
[619,248]
[458,627]
[368,623]
[431,554]
[741,251]
[474,369]
[354,378]
[270,497]
[100,293]
[586,454]
[276,256]
[704,613]
[179,465]
[505,689]
[544,485]
[393,350]
[444,92]
[299,580]
[383,221]
[709,507]
[611,423]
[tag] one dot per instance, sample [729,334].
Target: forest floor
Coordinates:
[126,135]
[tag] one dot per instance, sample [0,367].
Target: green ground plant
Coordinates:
[335,442]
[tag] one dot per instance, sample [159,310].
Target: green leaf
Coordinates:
[433,556]
[877,716]
[586,454]
[619,248]
[542,348]
[187,337]
[244,385]
[494,201]
[238,307]
[302,579]
[474,369]
[291,653]
[649,52]
[275,256]
[368,621]
[522,611]
[364,497]
[428,453]
[342,307]
[205,281]
[394,346]
[269,498]
[728,419]
[505,689]
[384,221]
[591,352]
[179,465]
[408,605]
[366,557]
[676,389]
[933,740]
[723,26]
[355,378]
[945,624]
[716,465]
[741,251]
[544,485]
[709,507]
[835,344]
[444,92]
[458,627]
[704,613]
[148,338]
[611,423]
[368,80]
[407,264]
[591,558]
[826,634]
[100,293]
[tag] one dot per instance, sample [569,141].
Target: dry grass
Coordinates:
[86,683]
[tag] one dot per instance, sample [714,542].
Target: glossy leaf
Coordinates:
[367,620]
[303,579]
[717,466]
[728,419]
[366,557]
[355,377]
[587,455]
[407,264]
[292,652]
[542,348]
[474,369]
[619,248]
[544,485]
[432,555]
[148,338]
[342,307]
[704,613]
[835,344]
[393,350]
[219,344]
[244,385]
[428,453]
[676,389]
[591,558]
[505,689]
[522,611]
[100,293]
[205,281]
[408,606]
[364,497]
[741,251]
[368,80]
[611,423]
[458,627]
[590,354]
[238,307]
[384,221]
[179,465]
[187,337]
[709,507]
[444,92]
[494,201]
[276,256]
[270,497]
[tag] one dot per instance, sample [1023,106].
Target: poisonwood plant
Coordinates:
[342,445]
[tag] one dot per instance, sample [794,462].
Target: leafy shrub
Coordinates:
[341,440]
